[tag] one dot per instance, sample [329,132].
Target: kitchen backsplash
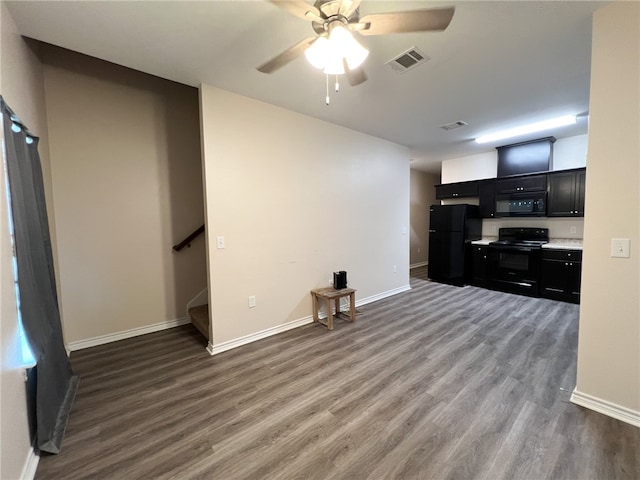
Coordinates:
[559,228]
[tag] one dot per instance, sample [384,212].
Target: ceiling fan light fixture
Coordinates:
[327,54]
[317,53]
[345,46]
[334,65]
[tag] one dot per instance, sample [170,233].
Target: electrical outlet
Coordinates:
[418,249]
[252,301]
[572,229]
[220,242]
[395,269]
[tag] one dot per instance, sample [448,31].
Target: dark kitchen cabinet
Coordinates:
[525,183]
[487,198]
[457,190]
[566,193]
[479,265]
[533,156]
[560,274]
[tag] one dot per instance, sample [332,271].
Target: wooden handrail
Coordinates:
[190,237]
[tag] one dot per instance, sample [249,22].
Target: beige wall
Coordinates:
[609,341]
[22,88]
[422,196]
[127,185]
[296,198]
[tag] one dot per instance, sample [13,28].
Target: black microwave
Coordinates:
[529,204]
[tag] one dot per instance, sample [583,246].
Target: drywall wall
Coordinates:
[570,152]
[609,338]
[295,199]
[559,228]
[127,185]
[22,88]
[472,167]
[422,195]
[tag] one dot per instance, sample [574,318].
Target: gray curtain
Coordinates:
[55,383]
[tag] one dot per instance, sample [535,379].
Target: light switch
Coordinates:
[620,247]
[220,242]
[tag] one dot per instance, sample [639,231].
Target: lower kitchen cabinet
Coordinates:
[479,265]
[561,274]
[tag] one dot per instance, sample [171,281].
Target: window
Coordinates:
[26,355]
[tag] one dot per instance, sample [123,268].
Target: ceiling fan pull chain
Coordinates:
[337,85]
[327,99]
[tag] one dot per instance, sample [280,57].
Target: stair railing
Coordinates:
[187,241]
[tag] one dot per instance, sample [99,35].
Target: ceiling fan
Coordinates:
[333,49]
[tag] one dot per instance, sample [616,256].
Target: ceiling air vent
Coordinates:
[453,125]
[407,60]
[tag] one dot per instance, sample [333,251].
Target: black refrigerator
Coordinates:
[451,229]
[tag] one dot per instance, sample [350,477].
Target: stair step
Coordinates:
[200,319]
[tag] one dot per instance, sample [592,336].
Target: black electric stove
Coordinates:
[522,237]
[514,259]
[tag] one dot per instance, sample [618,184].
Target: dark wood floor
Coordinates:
[436,383]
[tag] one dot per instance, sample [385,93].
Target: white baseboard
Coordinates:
[419,264]
[380,296]
[134,332]
[214,349]
[253,337]
[605,407]
[30,465]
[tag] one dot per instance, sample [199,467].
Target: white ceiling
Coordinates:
[499,64]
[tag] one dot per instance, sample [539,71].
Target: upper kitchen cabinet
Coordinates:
[457,190]
[533,156]
[566,193]
[487,198]
[524,183]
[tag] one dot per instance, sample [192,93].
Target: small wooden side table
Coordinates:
[328,294]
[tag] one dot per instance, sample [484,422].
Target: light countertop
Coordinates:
[564,244]
[559,243]
[484,241]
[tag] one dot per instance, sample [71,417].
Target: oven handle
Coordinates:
[511,249]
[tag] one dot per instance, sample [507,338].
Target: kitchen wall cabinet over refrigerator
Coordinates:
[457,190]
[451,229]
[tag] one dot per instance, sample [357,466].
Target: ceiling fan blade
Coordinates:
[300,9]
[348,7]
[285,57]
[355,76]
[429,20]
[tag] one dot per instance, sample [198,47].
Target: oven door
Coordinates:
[515,269]
[532,204]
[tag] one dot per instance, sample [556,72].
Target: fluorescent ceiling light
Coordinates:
[531,128]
